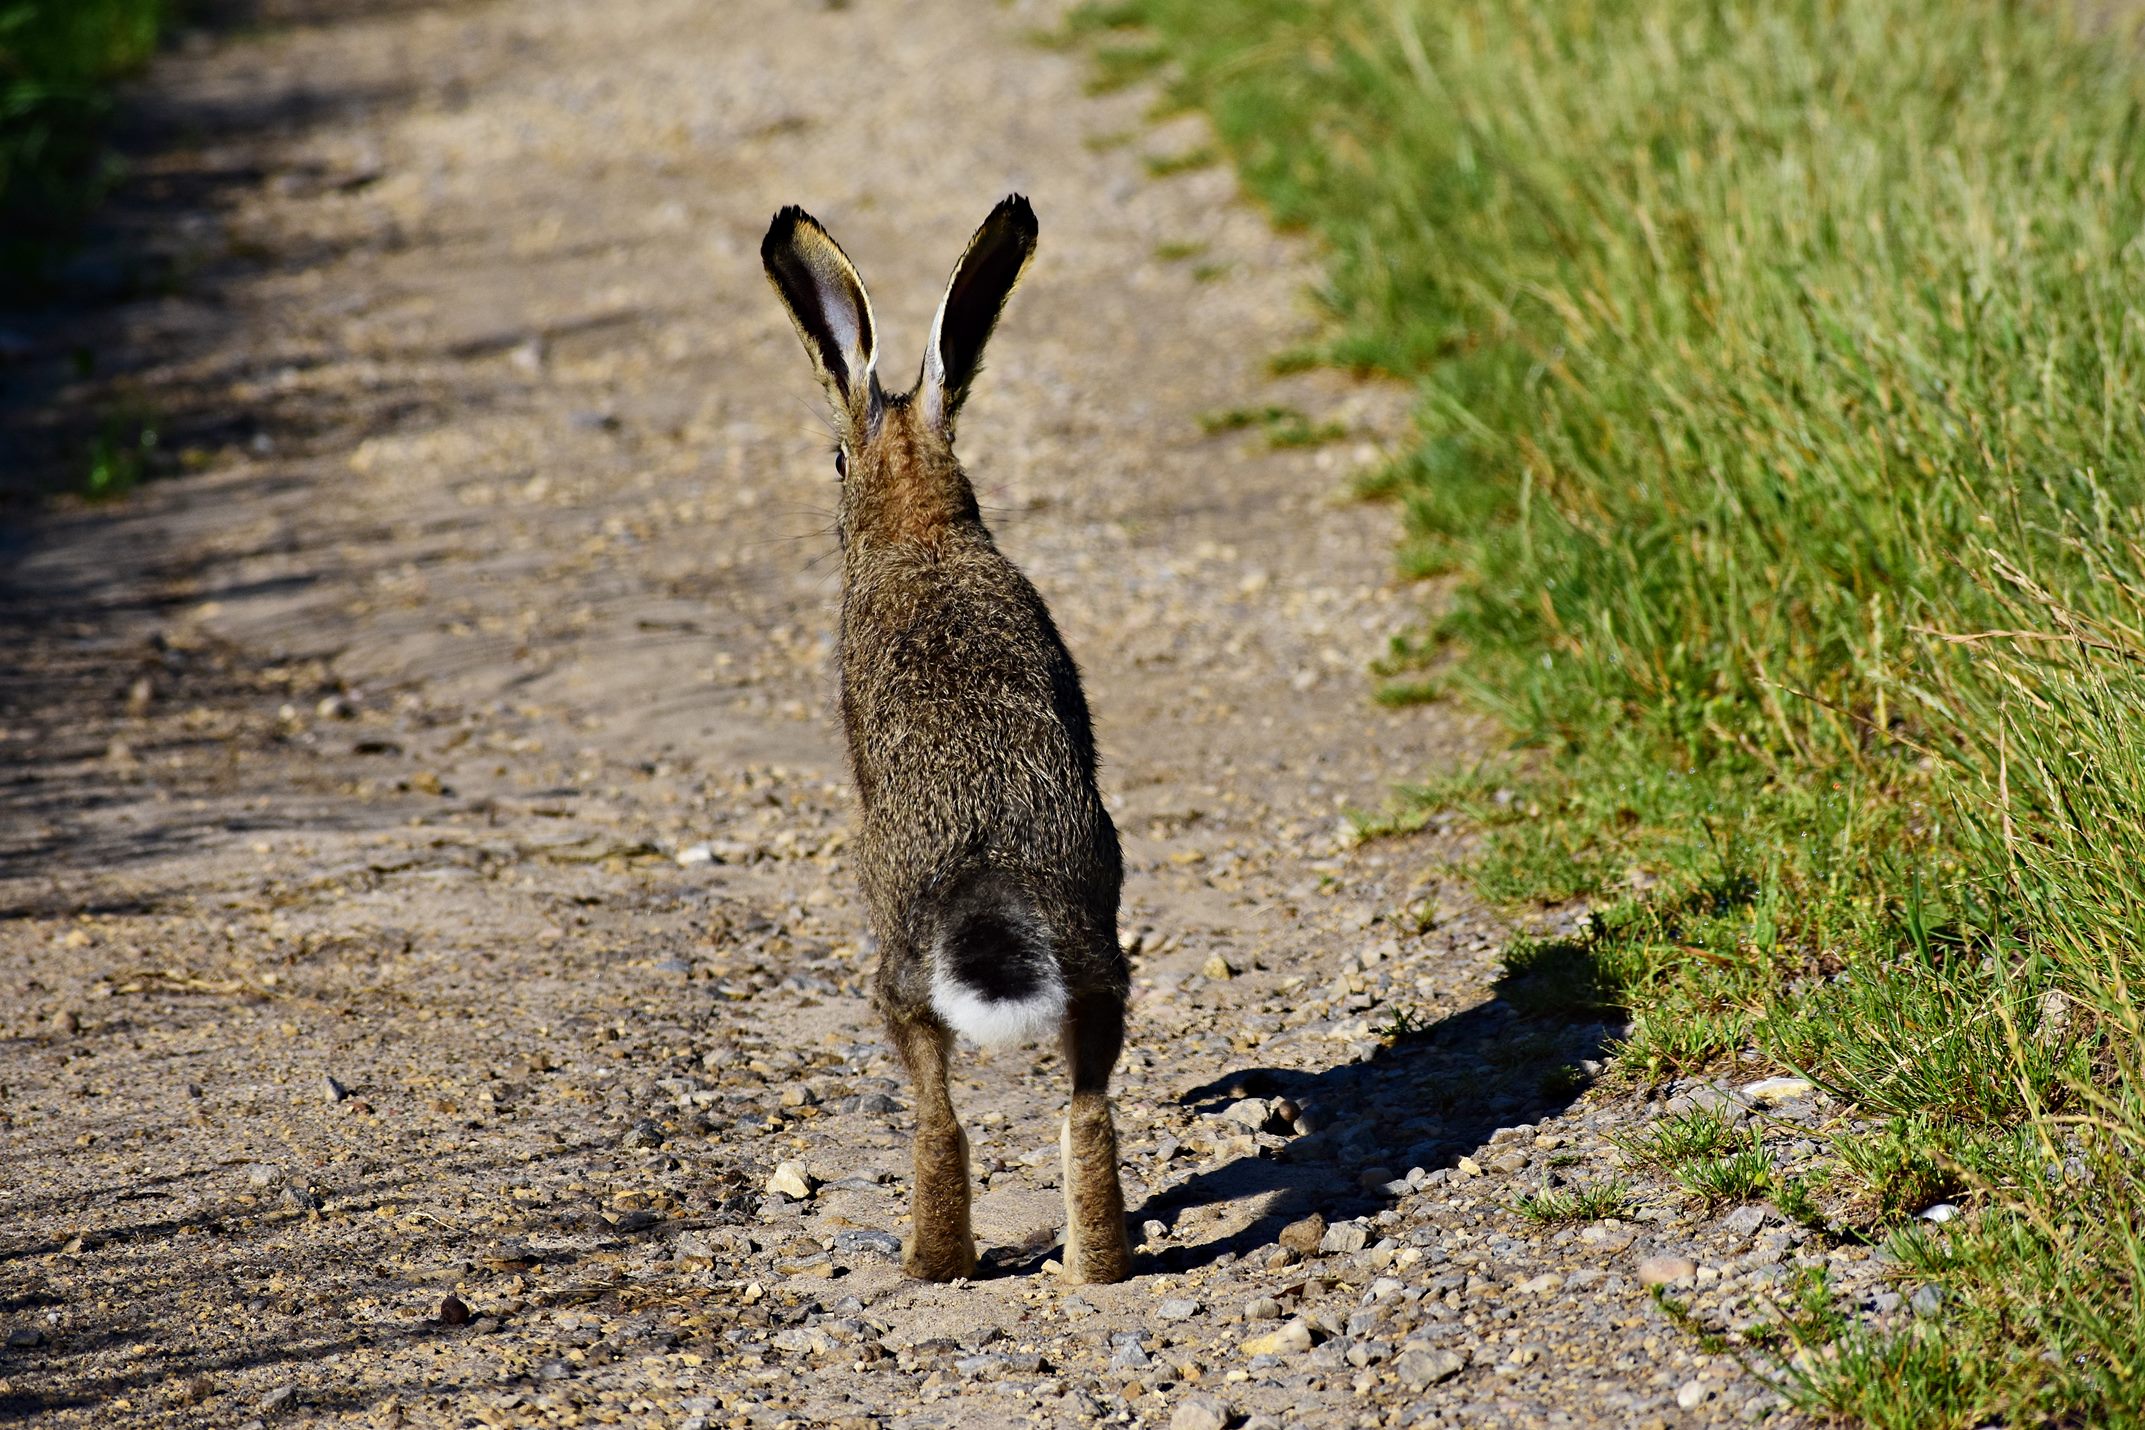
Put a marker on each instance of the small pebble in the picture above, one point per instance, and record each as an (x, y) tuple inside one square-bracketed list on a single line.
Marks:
[(1345, 1239), (1303, 1236), (1291, 1339), (793, 1181), (1200, 1412), (1421, 1366), (1771, 1091), (1666, 1270)]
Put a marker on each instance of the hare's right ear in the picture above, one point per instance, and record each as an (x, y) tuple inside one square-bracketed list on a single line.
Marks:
[(826, 300)]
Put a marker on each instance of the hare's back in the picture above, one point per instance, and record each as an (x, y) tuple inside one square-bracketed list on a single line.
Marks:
[(962, 703)]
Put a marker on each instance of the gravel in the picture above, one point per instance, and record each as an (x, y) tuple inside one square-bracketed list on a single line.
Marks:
[(549, 858)]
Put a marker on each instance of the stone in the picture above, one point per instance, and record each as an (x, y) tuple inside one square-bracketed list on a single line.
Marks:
[(1177, 1308), (1262, 1308), (1129, 1351), (1303, 1236), (1694, 1393), (1540, 1285), (1927, 1301), (331, 1090), (1941, 1212), (1217, 968), (644, 1133), (1250, 1112), (864, 1242), (693, 855), (1666, 1270), (1744, 1222), (1421, 1366), (279, 1398), (1772, 1091), (1294, 1338), (793, 1181), (1513, 1161), (1200, 1412), (453, 1311), (1345, 1239)]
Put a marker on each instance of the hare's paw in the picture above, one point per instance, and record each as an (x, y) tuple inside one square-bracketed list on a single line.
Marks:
[(1098, 1261), (939, 1258)]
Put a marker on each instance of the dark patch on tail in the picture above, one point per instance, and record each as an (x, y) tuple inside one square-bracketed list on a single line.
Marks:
[(994, 942)]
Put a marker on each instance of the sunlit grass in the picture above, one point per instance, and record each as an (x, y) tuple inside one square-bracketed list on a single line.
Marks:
[(1782, 375)]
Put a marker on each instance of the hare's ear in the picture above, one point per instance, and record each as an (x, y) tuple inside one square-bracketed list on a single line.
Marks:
[(826, 300), (977, 291)]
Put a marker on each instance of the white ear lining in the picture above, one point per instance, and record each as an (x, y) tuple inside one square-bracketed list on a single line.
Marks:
[(842, 323), (932, 390)]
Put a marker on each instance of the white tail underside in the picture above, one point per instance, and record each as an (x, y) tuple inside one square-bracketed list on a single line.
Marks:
[(996, 1021)]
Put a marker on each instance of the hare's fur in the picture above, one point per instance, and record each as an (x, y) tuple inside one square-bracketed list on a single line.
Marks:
[(989, 865)]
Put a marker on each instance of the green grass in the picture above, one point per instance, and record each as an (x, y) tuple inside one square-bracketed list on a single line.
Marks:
[(120, 455), (1781, 439), (1682, 1137), (58, 62), (1161, 166), (1284, 426), (1573, 1204)]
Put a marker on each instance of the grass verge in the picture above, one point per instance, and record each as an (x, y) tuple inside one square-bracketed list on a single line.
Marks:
[(1782, 373), (58, 62)]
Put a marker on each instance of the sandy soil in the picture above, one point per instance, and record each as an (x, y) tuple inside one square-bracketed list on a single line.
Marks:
[(427, 922)]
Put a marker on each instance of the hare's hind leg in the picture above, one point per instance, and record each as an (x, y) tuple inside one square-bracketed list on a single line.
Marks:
[(940, 1245), (1096, 1247)]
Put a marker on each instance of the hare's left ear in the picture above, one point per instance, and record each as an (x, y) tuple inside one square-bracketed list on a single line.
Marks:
[(827, 302), (981, 281)]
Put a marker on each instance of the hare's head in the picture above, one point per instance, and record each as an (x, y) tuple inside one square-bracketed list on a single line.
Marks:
[(899, 476)]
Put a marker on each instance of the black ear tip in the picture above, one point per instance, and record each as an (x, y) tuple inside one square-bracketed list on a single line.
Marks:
[(787, 221), (1016, 210)]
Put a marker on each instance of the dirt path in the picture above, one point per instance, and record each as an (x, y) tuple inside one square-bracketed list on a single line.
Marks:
[(424, 833)]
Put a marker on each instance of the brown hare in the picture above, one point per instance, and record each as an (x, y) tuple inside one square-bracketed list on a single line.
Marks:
[(989, 865)]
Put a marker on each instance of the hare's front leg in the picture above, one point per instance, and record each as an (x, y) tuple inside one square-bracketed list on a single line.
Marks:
[(1096, 1247), (940, 1245)]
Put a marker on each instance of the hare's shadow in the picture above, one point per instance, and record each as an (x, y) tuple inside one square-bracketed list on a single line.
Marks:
[(1467, 1075)]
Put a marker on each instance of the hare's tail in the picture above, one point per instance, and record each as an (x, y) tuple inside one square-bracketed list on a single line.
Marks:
[(994, 968)]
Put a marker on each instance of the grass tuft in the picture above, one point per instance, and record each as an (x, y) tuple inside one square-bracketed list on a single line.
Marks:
[(59, 60), (1573, 1204)]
